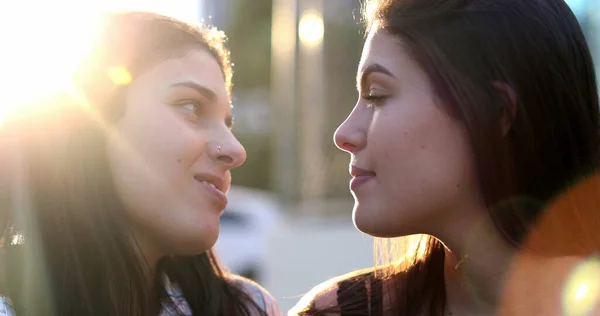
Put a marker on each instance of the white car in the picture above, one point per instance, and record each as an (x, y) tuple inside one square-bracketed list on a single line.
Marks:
[(246, 226)]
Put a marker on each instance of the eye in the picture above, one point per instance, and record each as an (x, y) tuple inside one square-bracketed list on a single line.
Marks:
[(194, 106), (374, 100)]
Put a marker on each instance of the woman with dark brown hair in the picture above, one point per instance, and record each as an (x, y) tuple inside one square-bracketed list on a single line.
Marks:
[(111, 195), (476, 130)]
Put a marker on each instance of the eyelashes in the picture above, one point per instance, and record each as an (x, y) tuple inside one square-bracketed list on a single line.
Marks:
[(198, 109), (229, 122), (193, 106), (374, 101)]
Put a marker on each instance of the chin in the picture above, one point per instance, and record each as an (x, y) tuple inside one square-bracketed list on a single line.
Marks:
[(375, 231), (366, 223), (377, 223), (195, 244)]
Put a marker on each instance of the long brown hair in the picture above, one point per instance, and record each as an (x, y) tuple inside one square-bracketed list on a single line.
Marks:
[(67, 246), (536, 47)]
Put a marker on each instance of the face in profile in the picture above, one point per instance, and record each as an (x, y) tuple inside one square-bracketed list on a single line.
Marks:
[(411, 163), (171, 154)]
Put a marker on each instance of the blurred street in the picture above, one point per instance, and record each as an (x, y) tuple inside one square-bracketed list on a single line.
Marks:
[(304, 253), (290, 249)]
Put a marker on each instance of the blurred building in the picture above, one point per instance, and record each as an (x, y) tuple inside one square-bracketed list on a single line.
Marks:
[(581, 8), (589, 17), (215, 12)]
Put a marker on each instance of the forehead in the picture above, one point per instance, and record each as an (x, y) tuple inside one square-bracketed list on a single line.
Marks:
[(197, 66), (386, 50)]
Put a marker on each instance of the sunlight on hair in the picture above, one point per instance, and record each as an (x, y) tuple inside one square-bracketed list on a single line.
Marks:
[(416, 246), (369, 8), (582, 290), (17, 239), (119, 75)]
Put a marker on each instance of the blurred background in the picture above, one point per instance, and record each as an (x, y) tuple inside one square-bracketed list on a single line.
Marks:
[(288, 224)]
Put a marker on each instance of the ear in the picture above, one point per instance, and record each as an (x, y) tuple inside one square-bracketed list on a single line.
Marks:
[(508, 95)]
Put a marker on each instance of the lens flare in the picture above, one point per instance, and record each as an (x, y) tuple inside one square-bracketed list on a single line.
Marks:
[(43, 46), (119, 75), (311, 28), (582, 290)]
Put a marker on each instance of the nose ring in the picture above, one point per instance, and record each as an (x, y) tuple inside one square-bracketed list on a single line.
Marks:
[(218, 149)]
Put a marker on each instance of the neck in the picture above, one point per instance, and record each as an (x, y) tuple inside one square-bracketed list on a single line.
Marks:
[(149, 249), (149, 261), (475, 266)]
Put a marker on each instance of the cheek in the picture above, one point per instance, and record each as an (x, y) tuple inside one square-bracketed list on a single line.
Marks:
[(150, 159), (151, 168), (398, 140), (159, 143), (423, 158)]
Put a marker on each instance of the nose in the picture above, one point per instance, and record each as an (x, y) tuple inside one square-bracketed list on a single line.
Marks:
[(351, 135), (228, 151)]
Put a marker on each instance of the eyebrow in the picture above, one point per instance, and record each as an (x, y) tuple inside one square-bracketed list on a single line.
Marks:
[(361, 79), (206, 92)]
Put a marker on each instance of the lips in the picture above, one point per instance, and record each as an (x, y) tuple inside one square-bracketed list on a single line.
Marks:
[(211, 180), (360, 177), (359, 172), (215, 187), (209, 183)]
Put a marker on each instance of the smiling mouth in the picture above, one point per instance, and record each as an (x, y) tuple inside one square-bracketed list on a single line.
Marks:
[(213, 181), (214, 190), (209, 184)]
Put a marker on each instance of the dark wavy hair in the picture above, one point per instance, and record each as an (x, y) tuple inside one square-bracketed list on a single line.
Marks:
[(66, 245), (537, 48)]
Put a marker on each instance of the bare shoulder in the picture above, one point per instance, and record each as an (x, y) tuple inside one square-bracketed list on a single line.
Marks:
[(322, 300), (259, 295)]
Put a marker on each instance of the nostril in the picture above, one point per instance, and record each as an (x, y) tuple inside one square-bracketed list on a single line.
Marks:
[(348, 146), (225, 159)]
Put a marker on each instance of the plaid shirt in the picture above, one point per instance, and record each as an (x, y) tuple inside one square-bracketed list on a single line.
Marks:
[(6, 307), (176, 305)]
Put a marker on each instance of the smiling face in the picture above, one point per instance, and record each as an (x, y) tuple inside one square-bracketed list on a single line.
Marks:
[(171, 154), (412, 167)]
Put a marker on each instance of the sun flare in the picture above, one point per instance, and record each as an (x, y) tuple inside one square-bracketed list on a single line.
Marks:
[(45, 40)]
